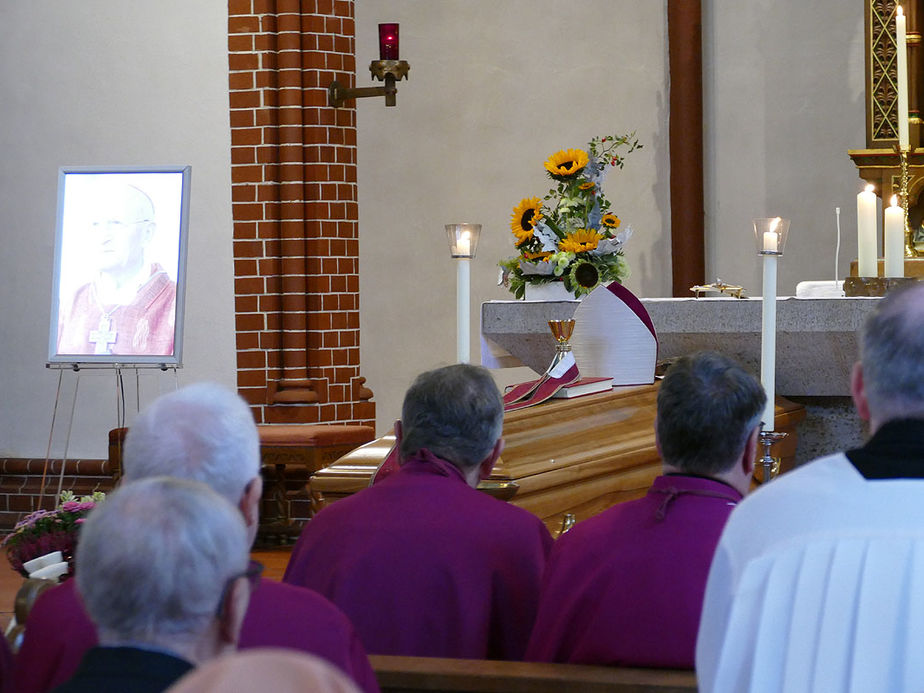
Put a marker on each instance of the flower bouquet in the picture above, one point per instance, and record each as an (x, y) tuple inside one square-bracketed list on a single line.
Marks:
[(571, 235), (46, 531)]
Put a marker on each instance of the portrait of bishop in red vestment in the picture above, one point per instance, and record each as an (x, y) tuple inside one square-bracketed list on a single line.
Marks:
[(129, 304)]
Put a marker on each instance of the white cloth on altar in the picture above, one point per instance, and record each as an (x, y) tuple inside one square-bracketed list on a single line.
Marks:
[(818, 585)]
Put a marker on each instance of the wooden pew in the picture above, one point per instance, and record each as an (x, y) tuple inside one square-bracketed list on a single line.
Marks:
[(417, 674)]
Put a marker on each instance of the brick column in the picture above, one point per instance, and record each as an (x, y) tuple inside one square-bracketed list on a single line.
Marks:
[(296, 235)]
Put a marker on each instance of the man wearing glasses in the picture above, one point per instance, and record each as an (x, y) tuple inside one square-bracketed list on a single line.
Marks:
[(203, 432), (130, 305)]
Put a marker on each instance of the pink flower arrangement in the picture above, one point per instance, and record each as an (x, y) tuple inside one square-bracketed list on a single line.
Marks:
[(45, 531)]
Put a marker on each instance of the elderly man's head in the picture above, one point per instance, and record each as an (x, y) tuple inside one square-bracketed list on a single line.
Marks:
[(204, 432), (123, 224), (455, 412), (158, 564), (888, 382), (708, 414)]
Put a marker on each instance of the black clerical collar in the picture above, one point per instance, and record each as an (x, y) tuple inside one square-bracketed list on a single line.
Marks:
[(896, 451)]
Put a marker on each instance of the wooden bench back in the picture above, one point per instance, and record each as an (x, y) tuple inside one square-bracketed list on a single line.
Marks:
[(416, 674)]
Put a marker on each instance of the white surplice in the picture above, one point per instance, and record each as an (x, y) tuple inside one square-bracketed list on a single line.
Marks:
[(818, 585)]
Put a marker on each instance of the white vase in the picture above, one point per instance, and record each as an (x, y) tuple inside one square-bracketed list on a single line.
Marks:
[(550, 291)]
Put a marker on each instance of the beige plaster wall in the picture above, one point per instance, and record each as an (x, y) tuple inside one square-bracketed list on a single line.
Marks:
[(495, 88), (784, 101), (106, 82)]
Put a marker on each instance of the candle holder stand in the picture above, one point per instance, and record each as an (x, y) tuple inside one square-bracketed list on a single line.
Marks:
[(768, 463)]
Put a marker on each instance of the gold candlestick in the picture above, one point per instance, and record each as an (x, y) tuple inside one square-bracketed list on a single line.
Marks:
[(910, 250)]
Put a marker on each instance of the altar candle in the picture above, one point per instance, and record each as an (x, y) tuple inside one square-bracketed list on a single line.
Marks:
[(463, 309), (768, 341), (894, 240), (866, 233), (771, 241), (901, 52), (464, 244)]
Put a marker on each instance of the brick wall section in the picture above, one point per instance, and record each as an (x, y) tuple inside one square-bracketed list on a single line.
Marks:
[(296, 236), (21, 480)]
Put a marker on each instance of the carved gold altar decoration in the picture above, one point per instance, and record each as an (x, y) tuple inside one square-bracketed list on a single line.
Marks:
[(892, 172)]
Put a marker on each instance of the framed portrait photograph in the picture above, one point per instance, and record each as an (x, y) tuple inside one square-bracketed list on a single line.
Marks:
[(120, 266)]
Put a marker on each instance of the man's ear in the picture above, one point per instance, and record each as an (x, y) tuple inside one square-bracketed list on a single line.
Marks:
[(750, 453), (231, 618), (487, 466), (250, 501), (657, 439), (858, 391)]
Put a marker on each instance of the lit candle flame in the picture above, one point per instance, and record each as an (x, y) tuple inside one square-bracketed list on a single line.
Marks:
[(895, 200), (869, 187), (776, 222), (899, 10)]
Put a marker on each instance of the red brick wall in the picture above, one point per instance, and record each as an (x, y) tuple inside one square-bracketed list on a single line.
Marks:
[(21, 481), (296, 236)]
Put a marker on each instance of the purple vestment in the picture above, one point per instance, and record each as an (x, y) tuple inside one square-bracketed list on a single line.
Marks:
[(143, 327), (626, 587), (59, 633), (425, 565)]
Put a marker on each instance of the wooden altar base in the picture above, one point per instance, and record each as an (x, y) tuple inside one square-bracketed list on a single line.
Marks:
[(576, 456)]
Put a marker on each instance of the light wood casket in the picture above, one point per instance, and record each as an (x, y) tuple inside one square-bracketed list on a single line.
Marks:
[(577, 456)]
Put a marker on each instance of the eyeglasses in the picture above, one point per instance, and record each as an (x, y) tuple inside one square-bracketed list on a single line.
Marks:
[(252, 573), (115, 224)]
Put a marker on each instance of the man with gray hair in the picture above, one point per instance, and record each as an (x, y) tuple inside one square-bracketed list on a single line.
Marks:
[(422, 563), (162, 568), (206, 433), (626, 587), (816, 583)]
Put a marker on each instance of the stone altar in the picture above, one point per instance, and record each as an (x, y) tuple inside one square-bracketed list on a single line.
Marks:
[(816, 348)]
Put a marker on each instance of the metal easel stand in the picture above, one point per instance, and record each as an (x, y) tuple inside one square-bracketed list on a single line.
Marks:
[(120, 407)]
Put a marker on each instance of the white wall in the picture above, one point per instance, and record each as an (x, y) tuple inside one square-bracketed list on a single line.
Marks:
[(495, 87), (784, 101), (107, 82)]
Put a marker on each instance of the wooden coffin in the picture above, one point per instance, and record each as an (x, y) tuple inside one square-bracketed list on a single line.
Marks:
[(569, 456)]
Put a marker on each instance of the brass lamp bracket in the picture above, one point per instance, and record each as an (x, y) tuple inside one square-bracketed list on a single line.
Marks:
[(388, 71)]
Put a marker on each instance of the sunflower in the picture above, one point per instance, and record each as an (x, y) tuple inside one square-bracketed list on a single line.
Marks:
[(587, 186), (566, 162), (536, 256), (524, 218), (585, 276), (610, 220), (579, 241)]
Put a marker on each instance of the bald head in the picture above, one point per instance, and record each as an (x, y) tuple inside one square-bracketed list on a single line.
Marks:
[(122, 219), (892, 356)]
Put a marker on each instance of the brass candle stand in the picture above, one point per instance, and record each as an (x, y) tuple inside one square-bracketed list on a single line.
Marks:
[(904, 183), (769, 463)]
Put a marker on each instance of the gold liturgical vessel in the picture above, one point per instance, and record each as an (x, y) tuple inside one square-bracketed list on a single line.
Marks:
[(562, 331)]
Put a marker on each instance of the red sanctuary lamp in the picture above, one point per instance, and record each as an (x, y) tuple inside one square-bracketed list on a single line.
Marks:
[(388, 41), (388, 68)]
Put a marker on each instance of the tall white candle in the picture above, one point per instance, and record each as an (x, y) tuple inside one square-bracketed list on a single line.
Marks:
[(771, 241), (768, 341), (866, 233), (901, 51), (463, 310), (464, 244), (894, 240)]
